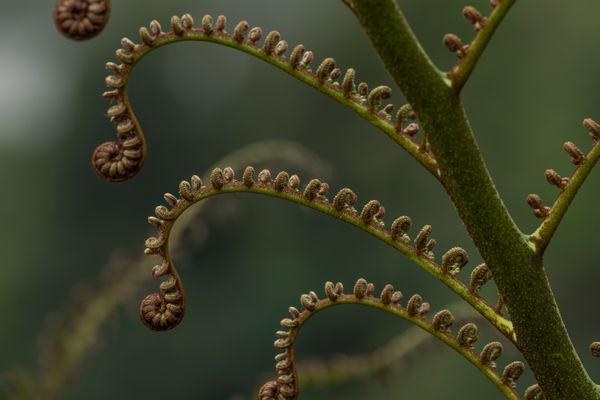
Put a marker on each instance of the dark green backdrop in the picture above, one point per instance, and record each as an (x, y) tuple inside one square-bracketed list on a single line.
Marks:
[(196, 101)]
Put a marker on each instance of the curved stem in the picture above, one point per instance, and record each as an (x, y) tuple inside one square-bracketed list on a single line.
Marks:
[(289, 337), (466, 66), (544, 233), (167, 219), (117, 161)]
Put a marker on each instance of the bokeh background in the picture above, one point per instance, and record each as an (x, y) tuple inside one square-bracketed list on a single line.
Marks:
[(250, 258)]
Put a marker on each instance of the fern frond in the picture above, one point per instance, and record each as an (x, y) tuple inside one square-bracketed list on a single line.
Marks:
[(164, 310), (122, 159), (287, 385)]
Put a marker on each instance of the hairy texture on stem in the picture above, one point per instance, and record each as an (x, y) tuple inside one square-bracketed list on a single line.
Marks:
[(122, 159), (370, 220), (287, 386), (81, 19)]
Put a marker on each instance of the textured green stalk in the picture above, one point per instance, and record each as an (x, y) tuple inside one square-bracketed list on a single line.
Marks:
[(517, 270)]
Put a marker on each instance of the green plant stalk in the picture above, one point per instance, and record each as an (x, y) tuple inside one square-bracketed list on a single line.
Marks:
[(487, 311), (517, 270), (447, 339)]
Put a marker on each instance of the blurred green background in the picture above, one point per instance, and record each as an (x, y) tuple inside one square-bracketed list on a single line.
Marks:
[(197, 102)]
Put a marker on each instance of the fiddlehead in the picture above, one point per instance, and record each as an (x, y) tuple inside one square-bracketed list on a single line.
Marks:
[(568, 186), (122, 159), (287, 387), (81, 19), (313, 196)]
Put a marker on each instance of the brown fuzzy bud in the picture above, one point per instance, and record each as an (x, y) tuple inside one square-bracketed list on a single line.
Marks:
[(324, 70), (369, 211), (376, 96), (220, 23), (294, 182), (442, 321), (255, 34), (296, 56), (248, 177), (216, 178), (555, 179), (264, 177), (345, 198), (479, 277), (454, 260), (512, 372), (414, 305), (207, 25), (454, 44), (593, 128), (534, 392), (400, 228), (577, 156), (595, 349), (360, 288), (312, 189), (386, 294), (422, 239), (490, 353), (474, 17), (240, 31), (348, 85), (270, 42), (281, 181), (468, 335)]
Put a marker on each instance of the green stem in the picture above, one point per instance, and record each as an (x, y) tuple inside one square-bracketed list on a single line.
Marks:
[(517, 270), (543, 234), (466, 66)]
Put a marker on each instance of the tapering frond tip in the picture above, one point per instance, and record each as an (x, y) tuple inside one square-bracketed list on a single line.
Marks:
[(534, 392), (595, 349), (81, 19)]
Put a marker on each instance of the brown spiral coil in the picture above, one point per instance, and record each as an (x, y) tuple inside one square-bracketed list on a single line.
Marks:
[(81, 19)]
